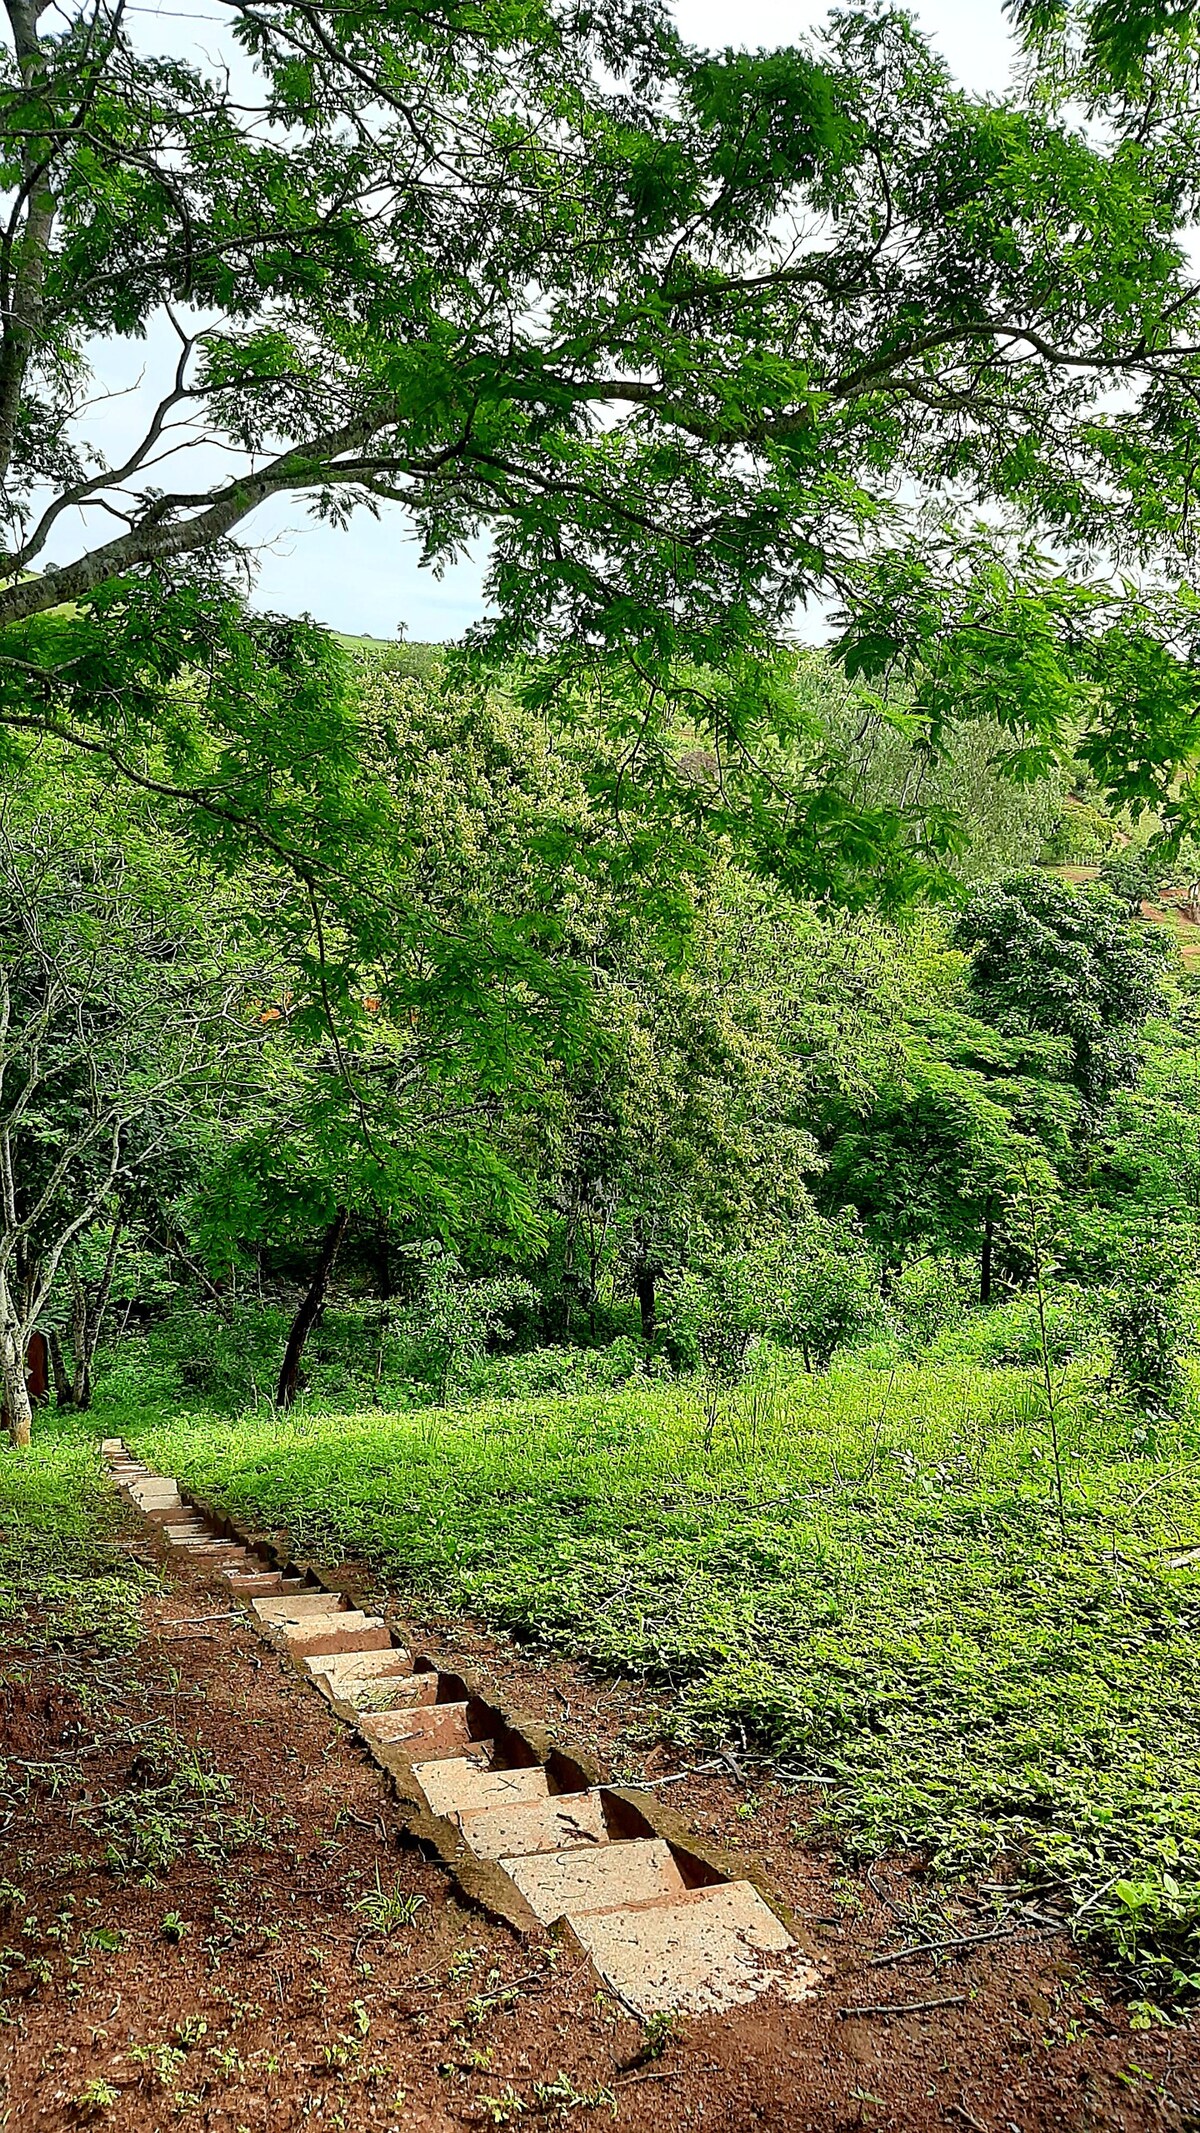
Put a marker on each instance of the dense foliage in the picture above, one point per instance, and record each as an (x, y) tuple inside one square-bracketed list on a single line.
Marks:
[(758, 331)]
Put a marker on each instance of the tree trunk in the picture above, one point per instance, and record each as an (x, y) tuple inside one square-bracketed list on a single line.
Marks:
[(18, 1408), (94, 1316), (79, 1319), (643, 1284), (985, 1260), (64, 1390), (309, 1311)]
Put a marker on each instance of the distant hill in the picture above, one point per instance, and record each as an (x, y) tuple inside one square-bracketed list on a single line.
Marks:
[(399, 654)]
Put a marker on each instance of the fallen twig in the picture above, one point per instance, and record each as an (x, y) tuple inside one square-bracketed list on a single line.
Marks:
[(905, 2007), (937, 1947), (676, 1777), (231, 1614), (898, 1910)]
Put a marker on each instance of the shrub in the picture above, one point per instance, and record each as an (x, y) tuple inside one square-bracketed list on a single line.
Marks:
[(1010, 1333), (453, 1322), (828, 1291), (1149, 1339), (929, 1296)]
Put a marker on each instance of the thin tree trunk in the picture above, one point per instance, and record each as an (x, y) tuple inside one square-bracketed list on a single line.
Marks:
[(79, 1318), (985, 1261), (18, 1408), (643, 1285), (309, 1311), (94, 1317), (64, 1390)]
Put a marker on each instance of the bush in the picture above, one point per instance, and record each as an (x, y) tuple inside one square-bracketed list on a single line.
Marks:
[(828, 1291), (1135, 878), (927, 1298), (448, 1330), (1010, 1333), (714, 1318), (1149, 1339)]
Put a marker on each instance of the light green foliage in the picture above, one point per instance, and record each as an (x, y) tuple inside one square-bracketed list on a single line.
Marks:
[(815, 1290), (95, 2098), (388, 1910), (56, 1516), (452, 1321), (768, 330), (861, 1574)]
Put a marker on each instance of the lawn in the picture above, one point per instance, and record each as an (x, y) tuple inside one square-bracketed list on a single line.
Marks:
[(861, 1575)]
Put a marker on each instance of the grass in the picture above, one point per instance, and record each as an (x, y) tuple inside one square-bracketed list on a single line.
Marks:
[(861, 1576), (63, 1581)]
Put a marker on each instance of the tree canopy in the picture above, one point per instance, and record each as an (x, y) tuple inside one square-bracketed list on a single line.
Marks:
[(695, 340)]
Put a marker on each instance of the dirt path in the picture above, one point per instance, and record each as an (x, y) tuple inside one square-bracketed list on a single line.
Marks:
[(217, 1928)]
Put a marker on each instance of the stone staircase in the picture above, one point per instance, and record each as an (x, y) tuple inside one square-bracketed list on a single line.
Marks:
[(664, 1928)]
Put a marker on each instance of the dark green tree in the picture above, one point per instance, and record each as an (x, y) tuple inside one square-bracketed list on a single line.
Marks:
[(1050, 958)]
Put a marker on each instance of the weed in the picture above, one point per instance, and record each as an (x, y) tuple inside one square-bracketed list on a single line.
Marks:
[(164, 2063), (94, 2098), (387, 1910), (504, 2109), (658, 2031), (173, 1927), (563, 2095)]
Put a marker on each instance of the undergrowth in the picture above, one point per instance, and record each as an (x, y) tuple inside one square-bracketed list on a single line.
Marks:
[(860, 1576), (63, 1578)]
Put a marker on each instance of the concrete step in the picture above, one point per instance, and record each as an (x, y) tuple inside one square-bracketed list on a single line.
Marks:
[(252, 1584), (278, 1587), (437, 1729), (359, 1666), (556, 1884), (347, 1631), (559, 1823), (457, 1783), (111, 1447), (703, 1952), (399, 1690), (292, 1607)]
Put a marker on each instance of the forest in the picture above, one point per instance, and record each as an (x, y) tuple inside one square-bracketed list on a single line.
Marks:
[(666, 1150)]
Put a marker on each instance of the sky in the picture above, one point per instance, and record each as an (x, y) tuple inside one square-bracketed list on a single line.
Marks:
[(365, 579)]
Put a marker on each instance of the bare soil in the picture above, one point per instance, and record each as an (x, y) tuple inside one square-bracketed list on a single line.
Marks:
[(248, 1986)]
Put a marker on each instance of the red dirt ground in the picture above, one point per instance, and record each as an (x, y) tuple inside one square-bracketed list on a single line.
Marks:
[(279, 2005)]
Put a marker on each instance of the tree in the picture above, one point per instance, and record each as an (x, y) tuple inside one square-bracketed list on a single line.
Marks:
[(682, 367), (1120, 39), (417, 1067), (688, 1136), (1049, 957), (124, 1008), (931, 1163), (1135, 877)]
